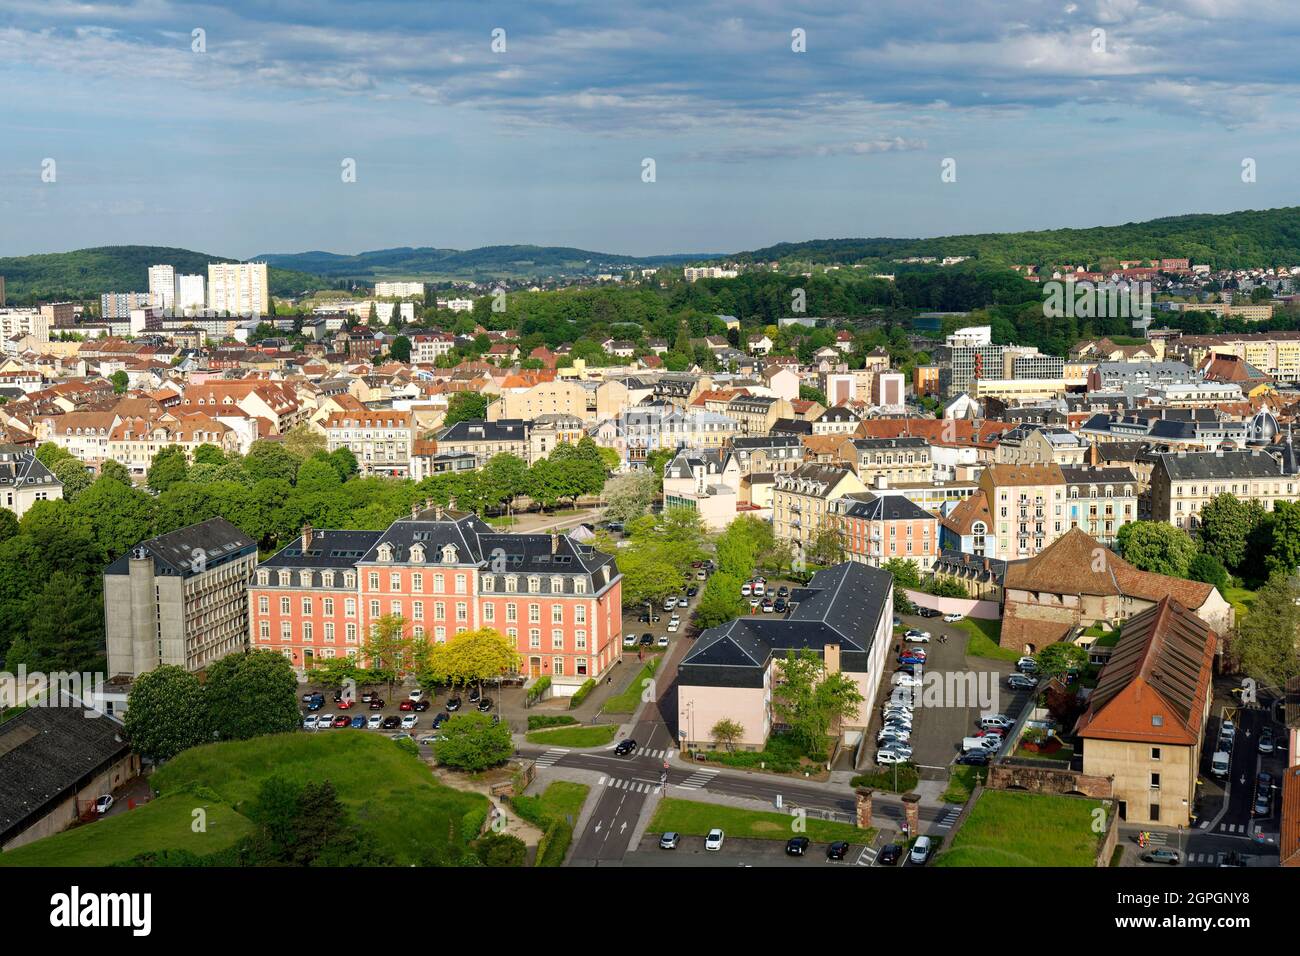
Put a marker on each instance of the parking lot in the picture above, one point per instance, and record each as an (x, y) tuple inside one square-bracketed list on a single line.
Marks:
[(939, 725), (438, 700)]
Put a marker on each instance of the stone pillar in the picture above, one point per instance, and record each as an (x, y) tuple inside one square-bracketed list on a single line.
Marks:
[(864, 795), (912, 814)]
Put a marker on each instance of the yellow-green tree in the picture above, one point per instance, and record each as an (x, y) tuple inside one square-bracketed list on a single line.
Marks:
[(472, 657), (388, 650)]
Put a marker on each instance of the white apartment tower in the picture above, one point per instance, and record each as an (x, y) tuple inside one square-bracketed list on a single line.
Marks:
[(190, 293), (162, 287), (238, 288)]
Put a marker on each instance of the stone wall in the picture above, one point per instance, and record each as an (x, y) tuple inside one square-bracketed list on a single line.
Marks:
[(1031, 775)]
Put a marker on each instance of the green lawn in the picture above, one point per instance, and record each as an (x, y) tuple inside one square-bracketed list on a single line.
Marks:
[(628, 701), (961, 783), (559, 801), (593, 736), (392, 793), (1241, 600), (984, 639), (697, 819), (1012, 828), (161, 824)]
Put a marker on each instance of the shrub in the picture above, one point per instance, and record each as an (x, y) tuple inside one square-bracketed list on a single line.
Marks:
[(537, 690), (500, 849), (542, 721), (554, 844), (588, 686), (883, 779)]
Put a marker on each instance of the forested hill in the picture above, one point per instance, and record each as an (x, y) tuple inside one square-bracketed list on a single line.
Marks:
[(1252, 237), (86, 273)]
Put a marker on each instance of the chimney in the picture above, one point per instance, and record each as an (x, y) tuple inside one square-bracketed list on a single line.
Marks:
[(555, 544), (415, 510), (306, 536)]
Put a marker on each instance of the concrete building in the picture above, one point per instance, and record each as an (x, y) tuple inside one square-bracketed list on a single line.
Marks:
[(162, 287), (381, 439), (1183, 482), (178, 599), (398, 290), (707, 482), (191, 293), (238, 288)]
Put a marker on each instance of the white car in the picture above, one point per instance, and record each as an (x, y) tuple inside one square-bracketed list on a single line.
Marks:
[(410, 720), (759, 588), (714, 840), (753, 603), (629, 640), (746, 589), (903, 679), (995, 722), (891, 755), (663, 638), (104, 804), (670, 602), (920, 850), (375, 721), (672, 629), (324, 721), (309, 722), (416, 694), (953, 618), (918, 637)]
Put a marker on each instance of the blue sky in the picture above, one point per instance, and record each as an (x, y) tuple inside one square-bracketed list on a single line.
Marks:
[(237, 150)]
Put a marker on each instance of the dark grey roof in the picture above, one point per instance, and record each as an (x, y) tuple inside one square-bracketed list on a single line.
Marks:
[(1085, 475), (871, 444), (885, 508), (20, 466), (766, 441), (478, 429), (838, 413), (791, 426), (47, 753), (841, 605), (971, 566), (1219, 464), (328, 550), (217, 540)]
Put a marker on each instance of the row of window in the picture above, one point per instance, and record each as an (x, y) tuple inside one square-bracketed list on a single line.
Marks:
[(307, 634), (417, 609)]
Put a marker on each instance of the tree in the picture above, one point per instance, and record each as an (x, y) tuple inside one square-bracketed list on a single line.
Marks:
[(74, 477), (401, 350), (811, 700), (1060, 658), (168, 468), (473, 743), (267, 459), (500, 849), (388, 650), (165, 713), (1156, 546), (1226, 526), (49, 454), (1284, 539), (630, 495), (1265, 642), (905, 571), (116, 471), (809, 394), (120, 382), (65, 628), (318, 475), (472, 657), (465, 406), (1207, 568), (720, 601), (504, 478), (655, 462), (649, 574), (826, 548), (209, 454), (302, 441), (726, 732), (251, 693), (117, 515)]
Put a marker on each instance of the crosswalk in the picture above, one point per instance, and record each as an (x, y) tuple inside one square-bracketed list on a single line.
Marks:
[(867, 857), (1242, 828), (949, 817), (698, 780), (658, 754), (551, 757), (631, 786)]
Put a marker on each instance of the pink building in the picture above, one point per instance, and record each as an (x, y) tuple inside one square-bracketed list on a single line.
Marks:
[(878, 528)]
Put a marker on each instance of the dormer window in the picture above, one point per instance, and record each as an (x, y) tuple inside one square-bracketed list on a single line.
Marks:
[(417, 553), (349, 580), (263, 577), (557, 585), (385, 552), (534, 584), (449, 555), (284, 578), (304, 578), (512, 583)]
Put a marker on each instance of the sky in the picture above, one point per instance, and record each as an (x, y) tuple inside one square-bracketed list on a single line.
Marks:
[(227, 128)]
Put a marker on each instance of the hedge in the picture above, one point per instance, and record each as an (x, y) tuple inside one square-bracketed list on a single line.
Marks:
[(554, 844), (537, 690), (588, 686), (541, 721)]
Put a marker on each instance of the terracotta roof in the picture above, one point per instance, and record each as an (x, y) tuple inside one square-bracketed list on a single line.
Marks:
[(968, 511), (1155, 686), (952, 431), (1026, 475)]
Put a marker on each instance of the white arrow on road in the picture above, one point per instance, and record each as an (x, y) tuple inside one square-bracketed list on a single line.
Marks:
[(623, 827), (598, 826)]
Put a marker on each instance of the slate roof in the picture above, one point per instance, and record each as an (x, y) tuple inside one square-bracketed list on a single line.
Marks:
[(480, 430), (871, 507), (20, 466), (841, 605), (1213, 465), (174, 553)]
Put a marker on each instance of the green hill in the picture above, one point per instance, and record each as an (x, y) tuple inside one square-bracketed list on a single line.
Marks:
[(1252, 237), (87, 273)]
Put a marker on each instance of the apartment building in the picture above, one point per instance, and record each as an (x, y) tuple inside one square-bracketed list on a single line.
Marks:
[(483, 439), (398, 290), (239, 288), (442, 572), (1028, 507), (381, 439), (897, 460), (179, 598), (1276, 354), (767, 454), (133, 441), (162, 287), (1100, 500), (23, 322), (707, 482), (24, 480), (879, 528), (757, 413), (1183, 482), (428, 347), (801, 500), (1030, 444)]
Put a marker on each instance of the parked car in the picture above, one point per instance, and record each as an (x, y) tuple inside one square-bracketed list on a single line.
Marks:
[(1021, 682), (995, 721), (453, 703), (974, 759), (1161, 854), (625, 747), (767, 605), (669, 840), (401, 736), (692, 591), (376, 703), (441, 719), (368, 696), (309, 722), (416, 694), (346, 702), (890, 854), (1265, 744), (796, 846), (953, 618), (358, 722), (629, 640), (406, 705), (375, 721), (920, 851), (780, 606), (670, 602), (714, 839), (391, 722), (647, 639), (342, 720), (421, 706), (906, 680), (916, 636), (663, 638), (474, 694), (485, 705), (1220, 763), (837, 850), (892, 755), (409, 721), (1228, 729), (673, 627), (927, 612), (311, 695), (104, 803), (1027, 665), (324, 720), (746, 589), (759, 588)]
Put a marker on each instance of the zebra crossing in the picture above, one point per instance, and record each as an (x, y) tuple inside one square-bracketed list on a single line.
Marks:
[(1206, 859), (631, 786), (658, 754), (949, 817), (867, 857), (698, 780), (551, 757), (1242, 828)]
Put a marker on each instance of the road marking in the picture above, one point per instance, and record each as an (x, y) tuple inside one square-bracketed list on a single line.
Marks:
[(948, 819), (867, 857), (551, 757), (669, 755), (698, 780)]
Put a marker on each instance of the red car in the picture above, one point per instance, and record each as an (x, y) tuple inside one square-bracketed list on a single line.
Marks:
[(990, 733), (346, 702), (376, 703), (341, 721), (406, 705)]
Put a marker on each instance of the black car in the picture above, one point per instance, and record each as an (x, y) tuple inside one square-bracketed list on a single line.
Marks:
[(643, 618), (474, 695), (625, 747), (647, 639), (453, 703), (692, 591), (441, 719), (779, 605), (485, 705), (1021, 682), (906, 669), (796, 846), (974, 760), (782, 591), (391, 722), (376, 703), (421, 705), (928, 612), (890, 854), (837, 850)]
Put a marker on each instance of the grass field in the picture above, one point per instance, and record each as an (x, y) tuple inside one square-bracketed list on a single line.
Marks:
[(593, 736), (628, 701), (559, 801), (984, 639), (391, 793), (1008, 828), (697, 819), (161, 824), (961, 783), (1241, 600)]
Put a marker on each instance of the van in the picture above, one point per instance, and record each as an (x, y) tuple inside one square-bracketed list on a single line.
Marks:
[(989, 744), (920, 851), (1220, 763)]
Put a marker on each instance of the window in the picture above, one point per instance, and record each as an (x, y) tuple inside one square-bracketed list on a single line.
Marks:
[(1155, 781), (557, 639), (1155, 812), (534, 614), (263, 605), (488, 582), (512, 612), (329, 632), (264, 630), (460, 584), (557, 613), (557, 666), (284, 606), (374, 609), (535, 639), (350, 633), (580, 640), (439, 583), (417, 610), (286, 631), (350, 607), (263, 577), (373, 578), (1155, 753), (395, 607), (439, 611), (489, 612), (462, 611), (579, 585), (306, 605), (580, 614), (394, 582)]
